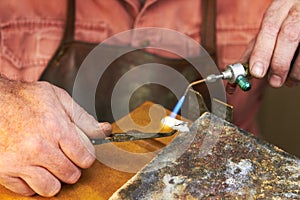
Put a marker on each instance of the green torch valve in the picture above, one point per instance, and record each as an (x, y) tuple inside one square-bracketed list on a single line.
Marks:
[(243, 83)]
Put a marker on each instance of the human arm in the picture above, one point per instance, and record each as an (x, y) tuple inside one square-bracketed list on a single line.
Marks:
[(43, 137)]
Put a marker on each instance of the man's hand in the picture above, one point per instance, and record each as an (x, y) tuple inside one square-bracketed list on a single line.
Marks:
[(276, 44), (43, 138)]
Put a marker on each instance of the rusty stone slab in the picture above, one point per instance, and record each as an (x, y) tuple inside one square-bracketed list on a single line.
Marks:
[(216, 160)]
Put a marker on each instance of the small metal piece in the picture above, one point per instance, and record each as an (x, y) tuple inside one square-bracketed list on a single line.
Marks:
[(222, 110), (195, 105), (131, 136)]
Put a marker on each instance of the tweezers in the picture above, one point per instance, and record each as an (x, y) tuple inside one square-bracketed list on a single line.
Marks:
[(131, 136)]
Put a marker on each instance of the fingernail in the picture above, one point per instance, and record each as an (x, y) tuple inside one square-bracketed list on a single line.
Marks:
[(74, 177), (88, 161), (275, 80), (258, 70), (55, 188)]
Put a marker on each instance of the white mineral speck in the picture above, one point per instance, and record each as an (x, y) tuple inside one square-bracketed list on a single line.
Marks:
[(173, 185), (237, 175)]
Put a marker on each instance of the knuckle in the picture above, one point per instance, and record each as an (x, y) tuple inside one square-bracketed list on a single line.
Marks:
[(279, 71), (270, 23), (290, 32), (295, 11), (269, 28), (81, 116), (270, 13), (61, 92), (52, 127), (280, 67), (35, 145), (280, 63), (44, 84)]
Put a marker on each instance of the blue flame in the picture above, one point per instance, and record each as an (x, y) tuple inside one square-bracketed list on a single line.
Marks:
[(177, 107)]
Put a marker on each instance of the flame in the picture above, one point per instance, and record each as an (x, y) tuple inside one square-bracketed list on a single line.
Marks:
[(177, 107)]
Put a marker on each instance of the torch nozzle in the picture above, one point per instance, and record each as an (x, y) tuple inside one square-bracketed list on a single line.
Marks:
[(213, 78)]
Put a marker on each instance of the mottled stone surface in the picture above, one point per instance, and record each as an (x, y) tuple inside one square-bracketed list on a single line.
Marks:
[(216, 160)]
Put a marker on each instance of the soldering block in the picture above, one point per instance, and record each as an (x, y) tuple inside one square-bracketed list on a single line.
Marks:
[(216, 160)]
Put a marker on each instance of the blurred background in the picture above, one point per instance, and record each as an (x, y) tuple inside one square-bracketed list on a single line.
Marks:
[(279, 118)]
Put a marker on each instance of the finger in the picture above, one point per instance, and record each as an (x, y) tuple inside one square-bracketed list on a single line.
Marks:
[(287, 43), (54, 160), (266, 38), (294, 76), (77, 147), (81, 118), (41, 181), (16, 185), (80, 152)]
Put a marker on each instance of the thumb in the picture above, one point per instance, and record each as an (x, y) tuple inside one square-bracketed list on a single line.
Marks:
[(83, 120)]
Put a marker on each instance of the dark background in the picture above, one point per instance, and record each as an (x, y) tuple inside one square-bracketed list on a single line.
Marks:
[(279, 118)]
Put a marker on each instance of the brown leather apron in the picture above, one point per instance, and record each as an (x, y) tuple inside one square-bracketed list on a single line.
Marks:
[(65, 63)]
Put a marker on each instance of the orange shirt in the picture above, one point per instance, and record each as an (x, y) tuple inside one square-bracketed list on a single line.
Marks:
[(30, 32)]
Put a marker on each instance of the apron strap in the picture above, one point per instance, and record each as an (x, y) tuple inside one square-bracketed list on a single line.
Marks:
[(208, 29), (70, 22)]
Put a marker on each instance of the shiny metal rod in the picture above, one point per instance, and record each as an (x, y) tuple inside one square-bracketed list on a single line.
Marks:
[(210, 79)]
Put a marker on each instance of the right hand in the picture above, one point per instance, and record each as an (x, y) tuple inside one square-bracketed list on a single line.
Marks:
[(43, 138), (274, 50)]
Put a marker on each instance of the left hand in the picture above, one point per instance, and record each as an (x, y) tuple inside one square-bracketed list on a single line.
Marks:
[(276, 44), (43, 137)]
